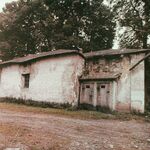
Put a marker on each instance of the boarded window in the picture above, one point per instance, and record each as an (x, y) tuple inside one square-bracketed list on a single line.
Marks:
[(26, 80)]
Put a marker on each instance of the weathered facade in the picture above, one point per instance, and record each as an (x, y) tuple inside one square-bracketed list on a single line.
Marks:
[(115, 79), (49, 77)]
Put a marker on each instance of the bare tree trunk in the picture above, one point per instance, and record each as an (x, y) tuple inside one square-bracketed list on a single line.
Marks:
[(146, 13), (145, 35)]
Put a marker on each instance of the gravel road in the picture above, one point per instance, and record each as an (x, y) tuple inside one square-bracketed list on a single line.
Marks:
[(33, 131)]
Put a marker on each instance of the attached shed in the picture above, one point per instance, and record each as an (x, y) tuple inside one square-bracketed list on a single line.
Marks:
[(117, 79), (49, 77)]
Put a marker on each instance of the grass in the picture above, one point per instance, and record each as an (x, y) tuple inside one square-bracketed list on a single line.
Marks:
[(78, 114)]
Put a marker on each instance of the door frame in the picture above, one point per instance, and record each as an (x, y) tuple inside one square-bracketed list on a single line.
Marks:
[(96, 82)]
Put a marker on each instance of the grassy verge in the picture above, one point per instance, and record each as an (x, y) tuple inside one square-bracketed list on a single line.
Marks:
[(79, 114)]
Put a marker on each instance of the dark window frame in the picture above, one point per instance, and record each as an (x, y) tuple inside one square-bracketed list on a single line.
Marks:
[(103, 86), (26, 80)]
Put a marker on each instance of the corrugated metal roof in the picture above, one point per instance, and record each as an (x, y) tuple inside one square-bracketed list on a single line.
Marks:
[(40, 55), (112, 52)]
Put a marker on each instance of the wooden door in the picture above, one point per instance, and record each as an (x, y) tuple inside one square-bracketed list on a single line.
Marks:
[(87, 94), (103, 91)]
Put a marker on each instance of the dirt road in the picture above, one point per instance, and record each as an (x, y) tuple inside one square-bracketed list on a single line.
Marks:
[(33, 131)]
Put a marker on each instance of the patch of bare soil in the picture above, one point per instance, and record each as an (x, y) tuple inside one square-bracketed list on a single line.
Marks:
[(35, 131)]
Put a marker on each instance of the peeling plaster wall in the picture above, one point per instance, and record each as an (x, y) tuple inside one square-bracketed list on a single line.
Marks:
[(10, 82), (138, 85), (51, 80), (128, 90), (123, 97), (103, 67)]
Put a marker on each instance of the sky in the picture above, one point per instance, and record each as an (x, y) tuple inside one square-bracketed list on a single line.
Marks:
[(2, 3)]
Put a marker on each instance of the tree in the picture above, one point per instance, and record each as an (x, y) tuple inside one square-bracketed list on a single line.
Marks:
[(19, 28), (87, 24), (135, 16), (31, 26)]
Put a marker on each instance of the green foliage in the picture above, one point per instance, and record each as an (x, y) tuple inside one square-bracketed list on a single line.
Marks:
[(31, 26), (134, 15), (35, 103)]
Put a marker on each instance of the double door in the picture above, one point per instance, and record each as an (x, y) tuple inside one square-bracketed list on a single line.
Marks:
[(95, 93)]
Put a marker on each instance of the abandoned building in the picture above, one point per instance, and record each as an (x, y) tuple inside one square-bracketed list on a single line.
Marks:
[(116, 79), (48, 76)]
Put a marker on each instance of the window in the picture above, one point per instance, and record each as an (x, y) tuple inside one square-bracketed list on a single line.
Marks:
[(103, 86), (26, 80), (95, 61), (88, 86)]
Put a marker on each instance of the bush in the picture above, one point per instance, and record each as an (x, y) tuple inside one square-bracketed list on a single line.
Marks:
[(97, 108), (35, 103)]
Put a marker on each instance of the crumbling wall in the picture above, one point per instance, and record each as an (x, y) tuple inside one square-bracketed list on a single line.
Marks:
[(52, 79), (10, 82), (123, 96), (137, 85), (107, 67), (128, 89), (103, 66)]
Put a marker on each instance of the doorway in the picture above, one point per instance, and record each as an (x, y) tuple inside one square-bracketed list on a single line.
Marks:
[(96, 93), (87, 93), (103, 90)]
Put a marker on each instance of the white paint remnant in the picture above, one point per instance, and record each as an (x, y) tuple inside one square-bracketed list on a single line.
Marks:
[(53, 79)]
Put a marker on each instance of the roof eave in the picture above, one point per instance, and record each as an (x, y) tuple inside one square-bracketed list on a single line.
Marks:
[(11, 62), (88, 55)]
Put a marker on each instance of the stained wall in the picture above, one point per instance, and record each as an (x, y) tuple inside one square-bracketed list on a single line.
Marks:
[(53, 79), (127, 92)]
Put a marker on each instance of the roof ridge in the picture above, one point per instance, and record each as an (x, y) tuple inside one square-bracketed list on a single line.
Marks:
[(110, 52), (40, 55)]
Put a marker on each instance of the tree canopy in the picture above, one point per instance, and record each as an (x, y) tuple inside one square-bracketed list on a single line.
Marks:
[(134, 15), (31, 26)]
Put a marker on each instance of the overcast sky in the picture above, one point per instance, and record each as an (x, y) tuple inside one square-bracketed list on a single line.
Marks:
[(2, 3)]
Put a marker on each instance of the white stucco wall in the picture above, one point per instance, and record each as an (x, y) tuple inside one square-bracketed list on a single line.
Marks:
[(130, 86), (138, 85), (10, 82), (53, 79), (123, 95)]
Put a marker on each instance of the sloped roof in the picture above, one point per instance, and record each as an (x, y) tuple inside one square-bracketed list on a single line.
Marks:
[(112, 52), (142, 59), (32, 57)]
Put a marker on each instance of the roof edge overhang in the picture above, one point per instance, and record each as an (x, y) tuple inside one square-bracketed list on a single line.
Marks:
[(102, 78), (112, 53), (97, 79), (11, 62), (137, 63)]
